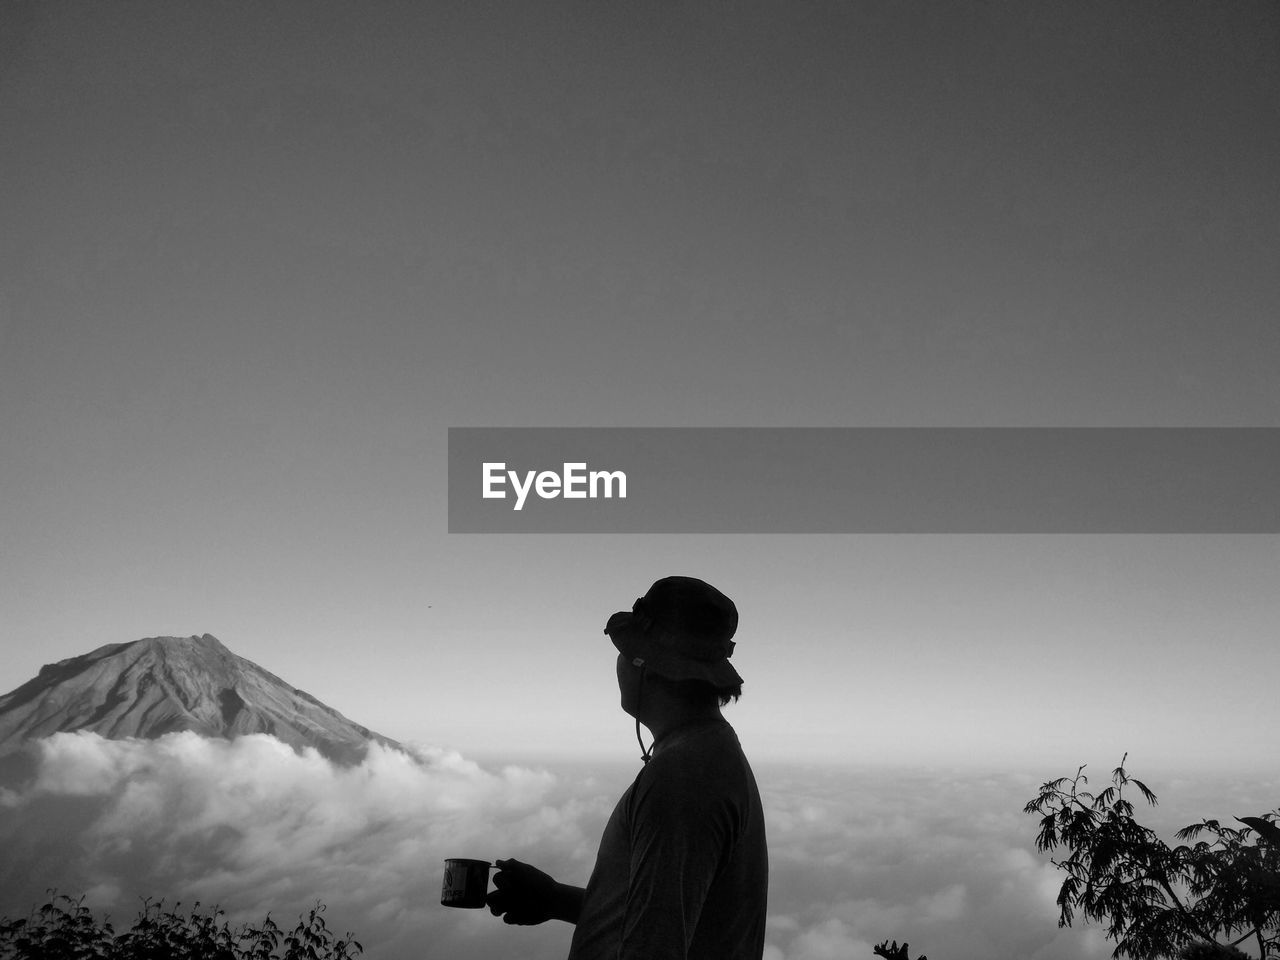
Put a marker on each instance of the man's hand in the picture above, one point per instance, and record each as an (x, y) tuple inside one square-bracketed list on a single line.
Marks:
[(525, 894)]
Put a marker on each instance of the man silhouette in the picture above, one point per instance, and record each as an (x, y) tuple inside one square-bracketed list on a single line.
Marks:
[(682, 870)]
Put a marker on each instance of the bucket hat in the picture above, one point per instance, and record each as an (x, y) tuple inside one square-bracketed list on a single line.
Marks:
[(682, 629)]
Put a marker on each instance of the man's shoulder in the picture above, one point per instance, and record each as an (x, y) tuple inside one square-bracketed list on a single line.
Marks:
[(700, 788), (705, 742), (708, 762)]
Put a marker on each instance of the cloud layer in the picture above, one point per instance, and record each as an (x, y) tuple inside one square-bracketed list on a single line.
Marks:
[(945, 862), (254, 826)]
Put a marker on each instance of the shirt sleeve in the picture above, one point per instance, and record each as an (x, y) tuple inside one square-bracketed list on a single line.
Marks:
[(680, 832)]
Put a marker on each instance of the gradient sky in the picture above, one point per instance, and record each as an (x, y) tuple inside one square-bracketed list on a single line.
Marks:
[(257, 258)]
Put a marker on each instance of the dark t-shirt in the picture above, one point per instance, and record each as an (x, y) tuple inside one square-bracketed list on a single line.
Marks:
[(683, 871)]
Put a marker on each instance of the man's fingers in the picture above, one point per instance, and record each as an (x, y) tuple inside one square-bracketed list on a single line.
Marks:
[(505, 872), (506, 880), (497, 902), (510, 873), (520, 895)]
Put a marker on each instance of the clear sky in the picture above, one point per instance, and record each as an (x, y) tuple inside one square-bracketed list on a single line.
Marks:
[(258, 258)]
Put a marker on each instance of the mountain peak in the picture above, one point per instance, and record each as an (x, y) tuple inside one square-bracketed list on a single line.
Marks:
[(157, 685)]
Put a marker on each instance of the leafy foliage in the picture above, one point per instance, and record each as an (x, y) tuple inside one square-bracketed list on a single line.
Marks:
[(65, 929), (1203, 950), (1157, 900), (895, 952)]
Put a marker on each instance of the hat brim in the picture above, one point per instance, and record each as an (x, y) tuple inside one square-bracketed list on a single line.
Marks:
[(633, 642)]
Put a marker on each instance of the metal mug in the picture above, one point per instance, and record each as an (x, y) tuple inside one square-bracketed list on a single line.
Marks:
[(466, 883)]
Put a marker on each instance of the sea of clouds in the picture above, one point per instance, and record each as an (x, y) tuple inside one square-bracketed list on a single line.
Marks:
[(943, 860)]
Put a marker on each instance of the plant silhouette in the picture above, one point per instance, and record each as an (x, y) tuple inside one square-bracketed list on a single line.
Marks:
[(64, 927), (1157, 900)]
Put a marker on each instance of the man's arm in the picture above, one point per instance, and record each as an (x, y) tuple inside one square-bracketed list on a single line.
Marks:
[(527, 896), (677, 841), (568, 906)]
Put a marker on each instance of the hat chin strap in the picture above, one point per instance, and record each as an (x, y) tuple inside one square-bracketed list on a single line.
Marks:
[(644, 752)]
